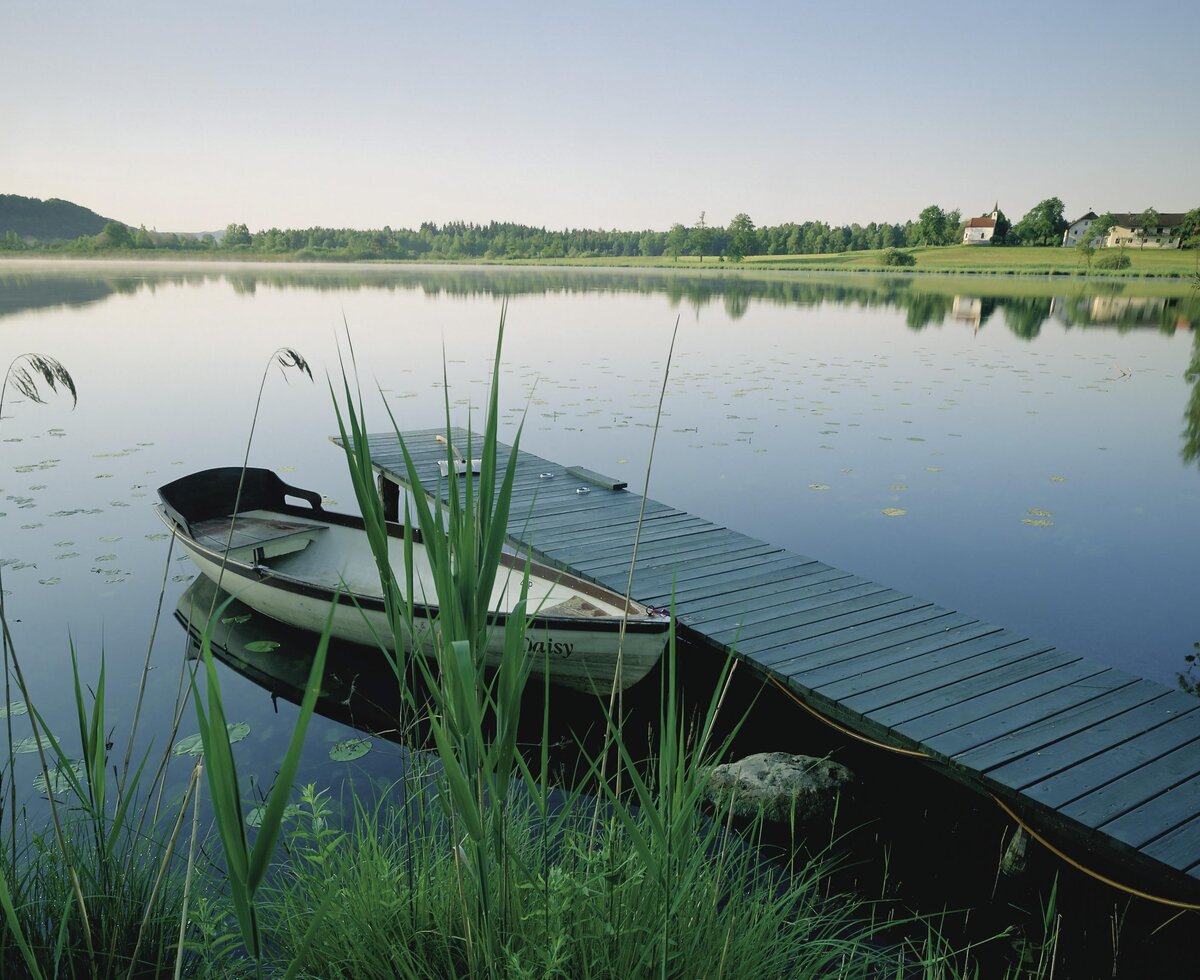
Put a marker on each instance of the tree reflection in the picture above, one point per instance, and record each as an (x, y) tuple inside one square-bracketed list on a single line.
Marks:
[(925, 301), (1188, 682), (1026, 314), (1191, 414)]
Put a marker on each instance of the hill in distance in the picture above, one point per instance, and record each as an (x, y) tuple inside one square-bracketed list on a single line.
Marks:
[(47, 221)]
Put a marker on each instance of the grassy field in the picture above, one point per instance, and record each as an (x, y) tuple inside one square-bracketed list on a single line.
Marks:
[(1016, 260), (943, 259), (964, 259)]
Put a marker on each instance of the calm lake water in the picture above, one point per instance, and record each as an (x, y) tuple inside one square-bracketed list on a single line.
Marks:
[(1021, 451)]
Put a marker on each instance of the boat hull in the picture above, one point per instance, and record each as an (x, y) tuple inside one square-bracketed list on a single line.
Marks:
[(307, 567)]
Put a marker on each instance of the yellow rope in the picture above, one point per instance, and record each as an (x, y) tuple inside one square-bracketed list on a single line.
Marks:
[(846, 731), (1000, 803), (1088, 871)]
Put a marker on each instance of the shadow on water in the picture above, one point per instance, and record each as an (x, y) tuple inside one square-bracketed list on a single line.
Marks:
[(925, 301), (905, 835)]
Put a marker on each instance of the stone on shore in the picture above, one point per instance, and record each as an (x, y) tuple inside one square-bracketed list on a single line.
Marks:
[(782, 786)]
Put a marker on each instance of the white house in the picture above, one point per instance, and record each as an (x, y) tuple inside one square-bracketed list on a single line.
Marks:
[(1128, 231), (1076, 229), (980, 231)]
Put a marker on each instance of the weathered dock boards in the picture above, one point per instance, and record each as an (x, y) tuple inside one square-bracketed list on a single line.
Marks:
[(1105, 758)]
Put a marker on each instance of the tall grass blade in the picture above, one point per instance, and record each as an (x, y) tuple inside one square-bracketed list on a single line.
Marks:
[(14, 928)]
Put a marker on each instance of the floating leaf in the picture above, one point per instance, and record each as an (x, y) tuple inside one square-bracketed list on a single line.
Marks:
[(893, 512), (194, 745), (350, 749), (262, 646), (1058, 479), (14, 708), (236, 620), (254, 818), (24, 745), (818, 486), (60, 782), (1037, 523), (1038, 512), (897, 487)]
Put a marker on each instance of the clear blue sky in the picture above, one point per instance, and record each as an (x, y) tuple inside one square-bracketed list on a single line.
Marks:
[(610, 114)]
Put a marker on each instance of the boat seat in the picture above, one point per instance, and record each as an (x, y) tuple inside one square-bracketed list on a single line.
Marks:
[(257, 537)]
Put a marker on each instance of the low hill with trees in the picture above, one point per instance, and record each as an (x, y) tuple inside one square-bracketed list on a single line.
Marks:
[(47, 221), (878, 244)]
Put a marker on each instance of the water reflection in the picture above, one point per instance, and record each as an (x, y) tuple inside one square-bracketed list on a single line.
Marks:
[(927, 301), (1191, 414), (359, 688)]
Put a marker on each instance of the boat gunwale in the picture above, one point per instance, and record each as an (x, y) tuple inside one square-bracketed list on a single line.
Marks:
[(253, 573)]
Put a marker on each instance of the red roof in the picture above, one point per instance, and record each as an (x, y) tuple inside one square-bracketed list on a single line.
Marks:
[(982, 223)]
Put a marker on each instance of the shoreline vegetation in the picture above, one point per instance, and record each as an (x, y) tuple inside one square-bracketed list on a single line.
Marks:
[(1029, 261), (933, 242)]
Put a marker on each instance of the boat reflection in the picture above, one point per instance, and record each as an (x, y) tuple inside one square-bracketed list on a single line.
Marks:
[(359, 688)]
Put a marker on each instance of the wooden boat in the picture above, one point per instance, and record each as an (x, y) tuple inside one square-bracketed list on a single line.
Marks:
[(288, 560)]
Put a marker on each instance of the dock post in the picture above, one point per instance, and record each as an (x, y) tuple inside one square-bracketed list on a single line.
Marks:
[(389, 493)]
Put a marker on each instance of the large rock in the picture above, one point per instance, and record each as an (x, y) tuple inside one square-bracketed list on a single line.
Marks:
[(782, 786)]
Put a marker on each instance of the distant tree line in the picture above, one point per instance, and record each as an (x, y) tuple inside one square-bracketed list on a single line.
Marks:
[(456, 241)]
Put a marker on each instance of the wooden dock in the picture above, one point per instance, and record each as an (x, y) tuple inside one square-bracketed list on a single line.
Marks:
[(1107, 761)]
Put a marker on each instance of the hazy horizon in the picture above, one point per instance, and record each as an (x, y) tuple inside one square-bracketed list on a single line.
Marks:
[(625, 116)]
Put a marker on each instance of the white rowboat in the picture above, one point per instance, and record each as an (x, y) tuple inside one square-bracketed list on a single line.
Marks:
[(296, 562)]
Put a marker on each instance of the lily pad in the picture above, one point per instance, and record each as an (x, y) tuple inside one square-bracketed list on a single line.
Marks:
[(60, 781), (893, 512), (350, 749), (262, 646), (254, 818), (30, 744), (194, 745), (14, 708)]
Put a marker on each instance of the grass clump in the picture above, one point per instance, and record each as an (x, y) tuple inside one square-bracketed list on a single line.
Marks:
[(592, 905)]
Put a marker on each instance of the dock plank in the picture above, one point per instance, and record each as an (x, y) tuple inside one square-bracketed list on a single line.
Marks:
[(1036, 739), (1073, 740), (953, 731), (860, 662), (1117, 771), (780, 653), (958, 682)]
